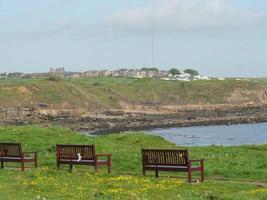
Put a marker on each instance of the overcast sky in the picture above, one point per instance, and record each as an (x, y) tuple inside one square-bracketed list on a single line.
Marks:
[(215, 37)]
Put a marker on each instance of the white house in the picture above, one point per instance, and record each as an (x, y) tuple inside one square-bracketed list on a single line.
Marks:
[(199, 77)]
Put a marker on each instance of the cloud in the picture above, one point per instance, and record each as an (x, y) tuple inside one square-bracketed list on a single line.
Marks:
[(185, 15)]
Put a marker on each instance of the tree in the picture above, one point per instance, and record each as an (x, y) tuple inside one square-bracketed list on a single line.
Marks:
[(192, 72), (150, 69), (175, 71)]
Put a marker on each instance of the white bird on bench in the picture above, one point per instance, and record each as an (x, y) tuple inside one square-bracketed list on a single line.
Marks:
[(79, 157)]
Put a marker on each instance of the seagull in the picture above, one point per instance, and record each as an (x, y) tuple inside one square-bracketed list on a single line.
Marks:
[(79, 157)]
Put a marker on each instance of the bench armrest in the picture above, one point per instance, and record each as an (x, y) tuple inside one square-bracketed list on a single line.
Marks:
[(108, 155), (201, 160), (34, 153), (30, 152), (103, 154)]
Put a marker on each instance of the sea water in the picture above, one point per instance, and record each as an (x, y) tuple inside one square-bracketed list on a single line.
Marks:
[(232, 135)]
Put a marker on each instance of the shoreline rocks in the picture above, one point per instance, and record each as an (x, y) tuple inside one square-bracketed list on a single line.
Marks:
[(118, 120)]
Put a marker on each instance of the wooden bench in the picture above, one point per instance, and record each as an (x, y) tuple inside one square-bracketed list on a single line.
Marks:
[(12, 152), (81, 155), (170, 160)]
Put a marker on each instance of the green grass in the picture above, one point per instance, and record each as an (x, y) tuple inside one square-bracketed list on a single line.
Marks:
[(114, 93), (237, 165)]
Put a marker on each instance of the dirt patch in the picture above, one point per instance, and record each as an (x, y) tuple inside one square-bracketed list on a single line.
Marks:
[(238, 96), (21, 89), (24, 91), (246, 96), (35, 88), (8, 88)]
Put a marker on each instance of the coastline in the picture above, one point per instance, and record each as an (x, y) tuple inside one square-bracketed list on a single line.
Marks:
[(118, 121)]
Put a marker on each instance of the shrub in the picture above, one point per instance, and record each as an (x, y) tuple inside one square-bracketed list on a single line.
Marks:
[(54, 78)]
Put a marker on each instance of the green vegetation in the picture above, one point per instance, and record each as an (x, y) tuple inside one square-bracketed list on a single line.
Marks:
[(192, 72), (115, 93), (175, 71), (236, 165), (54, 78), (150, 69)]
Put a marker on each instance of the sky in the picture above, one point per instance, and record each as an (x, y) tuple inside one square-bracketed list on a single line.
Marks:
[(216, 37)]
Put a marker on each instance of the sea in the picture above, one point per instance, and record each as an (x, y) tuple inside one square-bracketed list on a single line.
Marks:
[(223, 135)]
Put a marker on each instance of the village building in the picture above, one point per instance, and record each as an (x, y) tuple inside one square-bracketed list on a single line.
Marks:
[(59, 71)]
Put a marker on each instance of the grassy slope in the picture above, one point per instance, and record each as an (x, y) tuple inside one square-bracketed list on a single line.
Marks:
[(110, 92), (126, 182)]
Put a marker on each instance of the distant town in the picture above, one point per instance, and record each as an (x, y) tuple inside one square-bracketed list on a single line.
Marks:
[(172, 74)]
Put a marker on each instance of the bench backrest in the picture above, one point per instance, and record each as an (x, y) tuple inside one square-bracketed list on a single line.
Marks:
[(66, 151), (10, 150), (165, 157)]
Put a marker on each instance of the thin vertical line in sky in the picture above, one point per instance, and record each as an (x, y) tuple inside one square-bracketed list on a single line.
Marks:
[(152, 39)]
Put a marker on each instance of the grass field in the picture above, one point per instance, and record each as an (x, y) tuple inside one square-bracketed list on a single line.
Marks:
[(230, 171), (113, 93)]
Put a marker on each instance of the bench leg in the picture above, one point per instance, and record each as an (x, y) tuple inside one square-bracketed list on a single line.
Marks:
[(35, 161), (22, 166), (189, 176), (109, 169), (2, 165), (202, 175), (202, 170), (58, 166), (109, 165), (96, 167), (70, 168), (144, 172), (156, 173)]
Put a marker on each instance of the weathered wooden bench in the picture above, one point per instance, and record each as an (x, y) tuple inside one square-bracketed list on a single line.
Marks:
[(12, 152), (170, 160), (81, 155)]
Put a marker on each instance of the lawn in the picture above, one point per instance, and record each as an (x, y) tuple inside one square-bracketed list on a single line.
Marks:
[(230, 171)]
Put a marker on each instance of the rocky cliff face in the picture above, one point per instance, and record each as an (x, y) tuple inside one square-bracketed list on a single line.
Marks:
[(121, 120), (132, 104)]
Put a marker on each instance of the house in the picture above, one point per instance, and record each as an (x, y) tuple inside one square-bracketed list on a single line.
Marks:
[(199, 77), (15, 75), (104, 73), (73, 74), (183, 77), (120, 73), (59, 71), (3, 75), (91, 73)]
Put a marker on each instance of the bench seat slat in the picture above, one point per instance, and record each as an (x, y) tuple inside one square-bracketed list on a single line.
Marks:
[(170, 168), (15, 158), (83, 161)]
